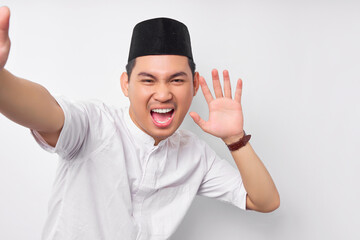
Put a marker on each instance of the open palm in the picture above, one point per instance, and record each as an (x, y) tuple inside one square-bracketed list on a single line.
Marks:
[(225, 113)]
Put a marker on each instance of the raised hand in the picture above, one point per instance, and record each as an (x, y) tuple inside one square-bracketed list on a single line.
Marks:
[(225, 113), (4, 36)]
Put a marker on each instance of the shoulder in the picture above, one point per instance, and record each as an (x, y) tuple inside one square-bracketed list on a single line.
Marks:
[(186, 137), (190, 148), (193, 141), (93, 119), (189, 140), (93, 109)]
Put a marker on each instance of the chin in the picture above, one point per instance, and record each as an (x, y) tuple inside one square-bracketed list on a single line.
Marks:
[(163, 134)]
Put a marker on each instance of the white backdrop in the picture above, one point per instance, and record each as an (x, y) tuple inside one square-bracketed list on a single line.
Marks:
[(299, 61)]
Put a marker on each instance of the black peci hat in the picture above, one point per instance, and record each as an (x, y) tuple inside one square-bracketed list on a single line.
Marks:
[(160, 36)]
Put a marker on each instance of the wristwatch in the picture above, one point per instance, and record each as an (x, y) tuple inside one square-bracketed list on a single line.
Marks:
[(239, 144)]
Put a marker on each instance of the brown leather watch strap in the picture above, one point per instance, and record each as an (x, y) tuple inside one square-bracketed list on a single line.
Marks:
[(239, 144)]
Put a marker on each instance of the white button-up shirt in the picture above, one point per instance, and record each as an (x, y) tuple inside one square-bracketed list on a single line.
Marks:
[(113, 183)]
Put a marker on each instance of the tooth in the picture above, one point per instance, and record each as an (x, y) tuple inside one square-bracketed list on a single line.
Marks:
[(160, 110), (163, 121)]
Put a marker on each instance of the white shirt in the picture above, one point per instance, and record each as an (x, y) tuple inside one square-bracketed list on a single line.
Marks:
[(113, 183)]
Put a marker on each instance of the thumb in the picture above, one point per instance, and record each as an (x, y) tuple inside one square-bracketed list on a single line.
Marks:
[(198, 120), (4, 35), (4, 24)]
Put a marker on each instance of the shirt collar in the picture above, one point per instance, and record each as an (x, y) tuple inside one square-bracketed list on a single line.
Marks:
[(139, 134)]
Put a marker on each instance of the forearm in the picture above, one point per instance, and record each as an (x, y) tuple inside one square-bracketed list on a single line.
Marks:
[(257, 181), (28, 104), (262, 194)]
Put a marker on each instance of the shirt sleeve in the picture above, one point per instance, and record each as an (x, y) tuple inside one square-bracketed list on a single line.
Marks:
[(74, 132), (222, 181)]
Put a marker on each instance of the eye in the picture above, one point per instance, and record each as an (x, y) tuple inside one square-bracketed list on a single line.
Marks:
[(147, 81), (177, 81)]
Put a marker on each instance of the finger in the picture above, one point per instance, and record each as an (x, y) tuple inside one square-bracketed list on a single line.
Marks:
[(227, 84), (4, 23), (205, 90), (198, 120), (216, 84), (238, 91)]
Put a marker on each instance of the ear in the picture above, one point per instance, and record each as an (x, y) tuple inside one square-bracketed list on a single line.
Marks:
[(124, 82), (196, 82)]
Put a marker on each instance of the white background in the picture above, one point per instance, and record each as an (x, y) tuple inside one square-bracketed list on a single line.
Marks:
[(299, 61)]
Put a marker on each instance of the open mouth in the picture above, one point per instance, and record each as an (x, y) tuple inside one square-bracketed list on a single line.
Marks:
[(162, 117)]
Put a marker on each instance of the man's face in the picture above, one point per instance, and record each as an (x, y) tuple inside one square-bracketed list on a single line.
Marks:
[(160, 91)]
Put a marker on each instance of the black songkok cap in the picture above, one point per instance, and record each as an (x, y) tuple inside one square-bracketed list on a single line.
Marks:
[(160, 36)]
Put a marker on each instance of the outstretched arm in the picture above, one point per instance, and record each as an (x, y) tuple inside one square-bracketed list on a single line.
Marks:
[(226, 122), (24, 102)]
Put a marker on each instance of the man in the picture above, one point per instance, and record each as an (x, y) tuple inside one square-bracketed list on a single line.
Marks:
[(130, 173)]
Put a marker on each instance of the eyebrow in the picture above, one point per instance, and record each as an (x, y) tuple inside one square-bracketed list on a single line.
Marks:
[(145, 74), (178, 74)]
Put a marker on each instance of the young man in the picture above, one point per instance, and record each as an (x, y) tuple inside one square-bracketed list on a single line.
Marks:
[(130, 173)]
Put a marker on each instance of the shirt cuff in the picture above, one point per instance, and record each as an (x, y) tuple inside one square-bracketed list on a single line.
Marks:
[(41, 141), (240, 199)]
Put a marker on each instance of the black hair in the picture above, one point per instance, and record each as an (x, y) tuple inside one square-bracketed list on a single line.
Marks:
[(131, 64)]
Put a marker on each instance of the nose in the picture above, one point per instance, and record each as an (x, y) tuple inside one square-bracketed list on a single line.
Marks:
[(162, 93)]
